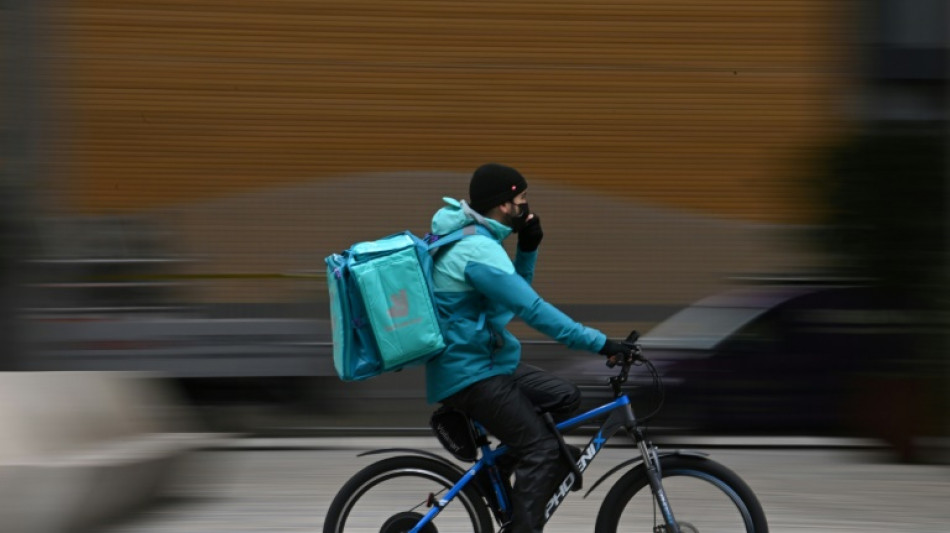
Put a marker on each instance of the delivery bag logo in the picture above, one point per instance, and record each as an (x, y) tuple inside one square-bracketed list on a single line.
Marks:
[(399, 307), (399, 311)]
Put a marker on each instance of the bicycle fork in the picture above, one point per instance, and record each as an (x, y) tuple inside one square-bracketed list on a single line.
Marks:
[(654, 474)]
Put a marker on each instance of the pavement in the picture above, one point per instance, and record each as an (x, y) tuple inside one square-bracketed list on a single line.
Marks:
[(286, 484)]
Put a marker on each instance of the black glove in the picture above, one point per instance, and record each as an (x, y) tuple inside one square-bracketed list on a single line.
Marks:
[(529, 237), (616, 352), (612, 348)]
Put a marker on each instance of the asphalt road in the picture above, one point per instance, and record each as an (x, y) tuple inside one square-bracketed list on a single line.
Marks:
[(286, 486)]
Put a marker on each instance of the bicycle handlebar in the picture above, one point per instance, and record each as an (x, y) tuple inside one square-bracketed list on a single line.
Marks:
[(633, 355), (629, 359)]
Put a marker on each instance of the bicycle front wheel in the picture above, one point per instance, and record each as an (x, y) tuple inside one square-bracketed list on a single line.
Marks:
[(705, 497), (392, 495)]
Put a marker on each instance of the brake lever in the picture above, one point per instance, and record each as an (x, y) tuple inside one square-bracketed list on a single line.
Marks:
[(628, 359), (635, 352)]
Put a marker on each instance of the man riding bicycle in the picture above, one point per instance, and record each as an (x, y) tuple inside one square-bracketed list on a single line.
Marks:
[(478, 290)]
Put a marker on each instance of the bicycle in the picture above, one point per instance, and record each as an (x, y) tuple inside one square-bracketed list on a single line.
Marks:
[(706, 496)]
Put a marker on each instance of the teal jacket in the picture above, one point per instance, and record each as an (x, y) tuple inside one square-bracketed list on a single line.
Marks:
[(478, 290)]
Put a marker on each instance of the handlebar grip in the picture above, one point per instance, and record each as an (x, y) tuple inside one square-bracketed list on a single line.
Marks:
[(632, 338), (627, 359)]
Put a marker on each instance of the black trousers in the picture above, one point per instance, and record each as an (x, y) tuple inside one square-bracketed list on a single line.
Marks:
[(508, 408)]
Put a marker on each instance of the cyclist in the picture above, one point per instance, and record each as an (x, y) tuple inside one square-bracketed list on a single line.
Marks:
[(478, 291)]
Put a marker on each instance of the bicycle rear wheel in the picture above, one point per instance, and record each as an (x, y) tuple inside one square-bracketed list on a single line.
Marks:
[(390, 496), (705, 497)]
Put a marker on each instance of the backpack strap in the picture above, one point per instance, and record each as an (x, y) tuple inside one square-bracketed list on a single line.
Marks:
[(438, 241)]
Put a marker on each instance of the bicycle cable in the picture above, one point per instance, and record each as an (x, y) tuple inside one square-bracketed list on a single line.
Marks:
[(657, 386)]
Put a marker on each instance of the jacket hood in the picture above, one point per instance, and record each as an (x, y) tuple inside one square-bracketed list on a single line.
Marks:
[(457, 214)]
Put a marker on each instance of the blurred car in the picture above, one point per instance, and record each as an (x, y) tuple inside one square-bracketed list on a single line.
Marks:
[(782, 359)]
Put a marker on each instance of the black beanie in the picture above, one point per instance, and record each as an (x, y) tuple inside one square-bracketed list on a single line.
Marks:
[(494, 184)]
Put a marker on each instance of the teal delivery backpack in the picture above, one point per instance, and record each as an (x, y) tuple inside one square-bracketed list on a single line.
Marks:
[(381, 304)]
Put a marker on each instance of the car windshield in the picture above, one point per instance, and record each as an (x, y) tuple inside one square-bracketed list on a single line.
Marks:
[(699, 328)]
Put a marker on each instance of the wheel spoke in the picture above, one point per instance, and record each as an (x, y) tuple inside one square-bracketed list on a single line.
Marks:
[(703, 496), (393, 495)]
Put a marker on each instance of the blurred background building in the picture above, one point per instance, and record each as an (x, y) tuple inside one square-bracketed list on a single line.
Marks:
[(175, 171)]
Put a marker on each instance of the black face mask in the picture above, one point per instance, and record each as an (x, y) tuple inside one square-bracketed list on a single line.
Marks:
[(518, 221)]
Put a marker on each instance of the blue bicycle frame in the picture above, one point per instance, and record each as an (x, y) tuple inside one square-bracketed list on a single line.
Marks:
[(620, 416)]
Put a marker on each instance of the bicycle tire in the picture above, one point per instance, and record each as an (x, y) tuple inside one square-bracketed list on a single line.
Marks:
[(700, 492), (413, 479)]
